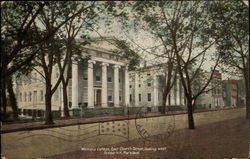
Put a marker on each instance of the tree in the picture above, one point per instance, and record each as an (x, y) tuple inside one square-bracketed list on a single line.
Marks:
[(127, 52), (146, 18), (17, 35), (12, 98), (185, 33), (232, 29), (51, 51), (84, 21), (20, 38)]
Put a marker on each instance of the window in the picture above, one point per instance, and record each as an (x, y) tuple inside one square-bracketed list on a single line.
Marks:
[(25, 96), (130, 86), (20, 98), (149, 84), (139, 85), (110, 98), (119, 80), (98, 78), (41, 95), (120, 98), (30, 96), (139, 97), (109, 79), (130, 97), (85, 75), (149, 97), (148, 74), (35, 96)]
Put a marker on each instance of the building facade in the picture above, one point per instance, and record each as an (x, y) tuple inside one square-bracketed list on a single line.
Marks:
[(241, 95), (101, 82), (230, 92), (147, 86), (212, 97)]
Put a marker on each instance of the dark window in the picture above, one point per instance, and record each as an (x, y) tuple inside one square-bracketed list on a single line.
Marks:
[(130, 86), (109, 98), (139, 97), (130, 97), (148, 74), (139, 85), (25, 96), (149, 97), (120, 98), (98, 78), (41, 95), (149, 84), (20, 98), (109, 79), (85, 78), (30, 96)]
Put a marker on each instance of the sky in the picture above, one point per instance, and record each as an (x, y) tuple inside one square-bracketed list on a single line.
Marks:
[(143, 40), (140, 41)]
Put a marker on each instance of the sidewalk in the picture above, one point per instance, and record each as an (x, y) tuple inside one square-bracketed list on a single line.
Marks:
[(13, 127), (226, 139)]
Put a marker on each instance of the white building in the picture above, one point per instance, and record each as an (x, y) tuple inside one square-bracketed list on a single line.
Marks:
[(101, 82), (146, 88), (212, 97)]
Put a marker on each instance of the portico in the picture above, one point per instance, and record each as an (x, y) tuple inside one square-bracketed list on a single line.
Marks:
[(106, 84)]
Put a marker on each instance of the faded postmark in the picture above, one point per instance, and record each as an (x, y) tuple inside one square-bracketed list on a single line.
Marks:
[(144, 128)]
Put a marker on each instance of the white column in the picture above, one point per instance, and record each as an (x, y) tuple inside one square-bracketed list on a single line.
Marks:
[(183, 95), (75, 85), (116, 86), (155, 90), (126, 91), (136, 91), (172, 95), (178, 102), (90, 84), (166, 79), (104, 85)]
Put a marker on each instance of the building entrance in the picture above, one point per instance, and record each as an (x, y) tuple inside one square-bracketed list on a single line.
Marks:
[(98, 97)]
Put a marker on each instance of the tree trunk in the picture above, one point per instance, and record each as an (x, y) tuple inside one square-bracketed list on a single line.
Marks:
[(65, 101), (167, 87), (3, 93), (12, 98), (190, 115), (4, 98), (164, 105), (247, 96), (48, 112)]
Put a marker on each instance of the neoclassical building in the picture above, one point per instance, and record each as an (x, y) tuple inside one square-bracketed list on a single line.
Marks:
[(101, 82), (147, 86), (212, 97)]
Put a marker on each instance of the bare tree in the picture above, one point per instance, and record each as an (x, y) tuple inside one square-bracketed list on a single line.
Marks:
[(51, 50), (185, 33), (233, 38)]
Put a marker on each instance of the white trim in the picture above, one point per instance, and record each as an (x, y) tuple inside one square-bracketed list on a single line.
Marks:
[(108, 61)]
